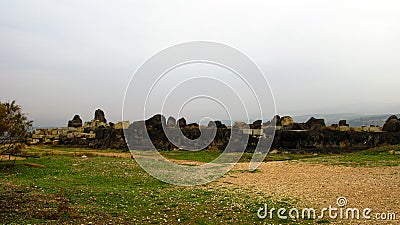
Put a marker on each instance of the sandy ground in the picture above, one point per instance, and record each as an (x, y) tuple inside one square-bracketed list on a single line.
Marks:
[(316, 185)]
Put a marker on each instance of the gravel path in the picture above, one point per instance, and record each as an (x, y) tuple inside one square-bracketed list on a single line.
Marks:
[(319, 186)]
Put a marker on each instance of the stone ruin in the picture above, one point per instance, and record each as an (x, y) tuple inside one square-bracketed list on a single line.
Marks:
[(311, 136), (96, 133), (99, 116), (392, 124), (75, 122)]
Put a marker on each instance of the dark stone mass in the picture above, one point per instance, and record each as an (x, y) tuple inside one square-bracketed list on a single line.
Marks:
[(75, 122), (311, 136), (99, 115), (392, 124)]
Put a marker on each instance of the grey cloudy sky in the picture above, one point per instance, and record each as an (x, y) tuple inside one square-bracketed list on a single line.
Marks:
[(59, 58)]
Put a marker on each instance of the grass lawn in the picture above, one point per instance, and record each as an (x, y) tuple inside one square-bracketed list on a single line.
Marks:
[(380, 156), (375, 157), (71, 189), (105, 190)]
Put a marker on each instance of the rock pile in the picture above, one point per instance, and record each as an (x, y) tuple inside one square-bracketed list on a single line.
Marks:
[(315, 124), (311, 136), (75, 122), (96, 133), (99, 116), (392, 124)]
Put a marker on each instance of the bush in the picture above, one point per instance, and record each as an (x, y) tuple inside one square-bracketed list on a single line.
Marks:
[(14, 128)]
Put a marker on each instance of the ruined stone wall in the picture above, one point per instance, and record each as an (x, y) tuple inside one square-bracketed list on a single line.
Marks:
[(312, 136), (94, 136), (323, 140), (327, 140)]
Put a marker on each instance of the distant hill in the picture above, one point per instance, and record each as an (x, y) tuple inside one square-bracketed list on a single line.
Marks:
[(353, 119)]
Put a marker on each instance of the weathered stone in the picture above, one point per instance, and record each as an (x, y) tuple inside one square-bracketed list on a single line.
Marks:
[(276, 121), (122, 125), (182, 122), (192, 125), (99, 115), (34, 141), (171, 122), (75, 122), (375, 129), (273, 151), (268, 123), (94, 124), (217, 124), (156, 122), (287, 121), (256, 124), (38, 136), (241, 125), (315, 124), (92, 136), (301, 137), (344, 128), (343, 123), (392, 124), (258, 132)]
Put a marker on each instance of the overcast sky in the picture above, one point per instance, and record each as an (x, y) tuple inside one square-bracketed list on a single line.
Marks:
[(60, 58)]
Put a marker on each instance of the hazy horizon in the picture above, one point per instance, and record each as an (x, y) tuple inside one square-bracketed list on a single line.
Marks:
[(330, 118), (63, 58)]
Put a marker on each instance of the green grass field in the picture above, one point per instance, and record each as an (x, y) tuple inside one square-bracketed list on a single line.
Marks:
[(70, 189), (110, 190), (367, 158)]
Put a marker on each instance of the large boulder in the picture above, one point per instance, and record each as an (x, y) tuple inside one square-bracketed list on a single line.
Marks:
[(240, 125), (182, 122), (276, 121), (93, 124), (220, 125), (122, 125), (171, 122), (392, 117), (256, 124), (343, 123), (217, 124), (392, 124), (315, 124), (75, 122), (156, 122), (99, 115), (287, 121)]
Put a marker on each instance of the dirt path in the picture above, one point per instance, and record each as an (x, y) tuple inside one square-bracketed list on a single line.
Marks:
[(320, 185)]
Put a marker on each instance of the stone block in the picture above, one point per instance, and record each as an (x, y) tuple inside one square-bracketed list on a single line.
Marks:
[(37, 136), (122, 125), (344, 128)]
